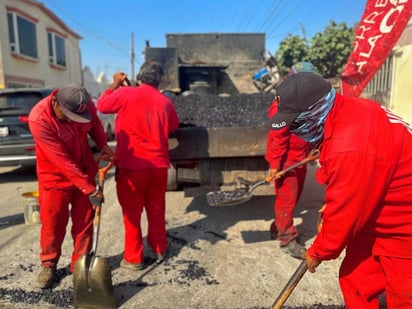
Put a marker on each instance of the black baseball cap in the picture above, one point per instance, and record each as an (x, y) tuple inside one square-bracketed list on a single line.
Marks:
[(74, 100), (297, 93)]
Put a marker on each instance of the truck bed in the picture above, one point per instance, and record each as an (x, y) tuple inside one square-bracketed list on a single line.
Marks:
[(202, 143)]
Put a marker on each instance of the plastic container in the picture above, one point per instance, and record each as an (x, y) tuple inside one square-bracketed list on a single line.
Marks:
[(31, 207)]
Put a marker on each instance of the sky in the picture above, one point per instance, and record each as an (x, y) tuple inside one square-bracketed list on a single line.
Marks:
[(108, 27)]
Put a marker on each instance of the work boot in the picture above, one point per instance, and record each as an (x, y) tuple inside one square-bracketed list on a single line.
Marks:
[(294, 249), (45, 278), (132, 266), (161, 257)]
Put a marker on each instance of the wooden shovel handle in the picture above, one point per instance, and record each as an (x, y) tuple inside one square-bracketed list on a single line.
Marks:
[(103, 170), (297, 275), (313, 155), (290, 286)]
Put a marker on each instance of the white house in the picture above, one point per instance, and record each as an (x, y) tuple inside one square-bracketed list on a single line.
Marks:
[(392, 85), (401, 99), (37, 49)]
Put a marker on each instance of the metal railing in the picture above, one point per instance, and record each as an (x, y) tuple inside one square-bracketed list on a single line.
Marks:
[(380, 86)]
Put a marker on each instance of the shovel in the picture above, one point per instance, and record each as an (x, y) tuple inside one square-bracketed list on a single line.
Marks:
[(298, 274), (290, 286), (92, 279), (239, 196)]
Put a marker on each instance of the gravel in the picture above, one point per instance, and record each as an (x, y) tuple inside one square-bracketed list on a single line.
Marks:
[(243, 110)]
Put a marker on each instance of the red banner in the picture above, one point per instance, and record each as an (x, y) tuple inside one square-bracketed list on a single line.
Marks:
[(381, 25)]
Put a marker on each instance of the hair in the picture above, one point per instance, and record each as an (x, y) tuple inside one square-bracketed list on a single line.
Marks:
[(150, 73)]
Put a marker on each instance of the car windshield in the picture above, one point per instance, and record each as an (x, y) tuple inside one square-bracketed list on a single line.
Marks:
[(23, 101)]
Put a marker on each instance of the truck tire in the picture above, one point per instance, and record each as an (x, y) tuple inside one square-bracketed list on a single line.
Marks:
[(172, 179)]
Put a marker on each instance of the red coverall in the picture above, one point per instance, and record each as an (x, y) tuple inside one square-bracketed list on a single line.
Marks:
[(145, 119), (283, 150), (65, 169), (366, 163)]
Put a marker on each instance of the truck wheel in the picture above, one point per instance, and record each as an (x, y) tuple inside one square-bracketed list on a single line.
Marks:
[(172, 179)]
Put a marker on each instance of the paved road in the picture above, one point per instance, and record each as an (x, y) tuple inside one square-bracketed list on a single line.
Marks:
[(220, 257)]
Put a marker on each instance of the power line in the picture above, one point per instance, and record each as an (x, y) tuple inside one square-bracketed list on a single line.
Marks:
[(113, 44), (268, 17)]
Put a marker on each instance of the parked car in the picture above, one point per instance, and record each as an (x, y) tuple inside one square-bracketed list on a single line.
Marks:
[(16, 142), (107, 121)]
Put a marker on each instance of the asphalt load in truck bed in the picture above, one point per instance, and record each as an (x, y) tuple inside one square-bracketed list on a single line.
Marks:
[(242, 110)]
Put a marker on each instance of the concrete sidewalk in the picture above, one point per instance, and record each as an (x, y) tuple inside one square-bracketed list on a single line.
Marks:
[(220, 257)]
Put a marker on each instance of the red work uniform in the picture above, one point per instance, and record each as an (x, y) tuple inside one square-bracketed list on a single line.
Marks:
[(366, 163), (145, 119), (65, 169), (283, 150)]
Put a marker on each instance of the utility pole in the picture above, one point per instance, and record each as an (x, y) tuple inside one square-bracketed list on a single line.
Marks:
[(303, 31), (132, 58)]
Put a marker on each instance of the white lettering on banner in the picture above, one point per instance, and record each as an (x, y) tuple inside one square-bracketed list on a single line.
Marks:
[(361, 64), (396, 119), (370, 19), (384, 27), (383, 3), (372, 42), (364, 29)]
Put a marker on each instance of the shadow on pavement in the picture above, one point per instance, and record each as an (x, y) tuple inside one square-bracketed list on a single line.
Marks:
[(18, 174), (12, 220)]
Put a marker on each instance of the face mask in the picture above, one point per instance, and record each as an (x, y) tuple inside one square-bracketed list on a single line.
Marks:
[(309, 124)]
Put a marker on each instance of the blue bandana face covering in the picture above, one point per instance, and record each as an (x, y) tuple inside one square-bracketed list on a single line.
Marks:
[(309, 124)]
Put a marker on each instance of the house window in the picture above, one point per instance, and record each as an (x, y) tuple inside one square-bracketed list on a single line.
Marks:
[(22, 36), (57, 51)]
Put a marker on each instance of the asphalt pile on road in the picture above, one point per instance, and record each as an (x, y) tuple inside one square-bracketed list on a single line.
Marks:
[(60, 299), (243, 110)]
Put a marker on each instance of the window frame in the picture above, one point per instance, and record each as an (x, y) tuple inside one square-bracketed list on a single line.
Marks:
[(16, 37), (56, 56)]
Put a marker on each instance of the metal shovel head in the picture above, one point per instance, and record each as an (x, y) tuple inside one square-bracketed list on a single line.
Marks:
[(228, 198), (234, 197), (92, 283)]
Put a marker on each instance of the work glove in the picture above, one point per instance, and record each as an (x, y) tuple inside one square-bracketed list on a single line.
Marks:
[(96, 198), (273, 174)]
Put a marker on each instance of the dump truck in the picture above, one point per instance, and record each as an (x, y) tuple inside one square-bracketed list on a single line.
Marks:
[(217, 156), (219, 67)]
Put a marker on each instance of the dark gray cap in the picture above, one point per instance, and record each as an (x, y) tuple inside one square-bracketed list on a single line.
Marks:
[(74, 101), (296, 94)]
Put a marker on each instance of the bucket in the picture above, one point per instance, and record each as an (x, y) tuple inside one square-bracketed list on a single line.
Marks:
[(31, 207)]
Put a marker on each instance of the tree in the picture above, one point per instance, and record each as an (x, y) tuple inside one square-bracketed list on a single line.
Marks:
[(328, 50), (292, 49)]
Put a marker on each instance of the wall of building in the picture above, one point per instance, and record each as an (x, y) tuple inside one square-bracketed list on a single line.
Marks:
[(38, 72), (401, 98)]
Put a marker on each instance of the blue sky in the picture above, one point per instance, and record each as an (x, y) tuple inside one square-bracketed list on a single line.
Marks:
[(107, 26)]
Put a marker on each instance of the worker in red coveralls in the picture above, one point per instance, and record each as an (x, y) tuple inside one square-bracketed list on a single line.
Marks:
[(366, 165), (145, 119), (283, 150), (60, 124)]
